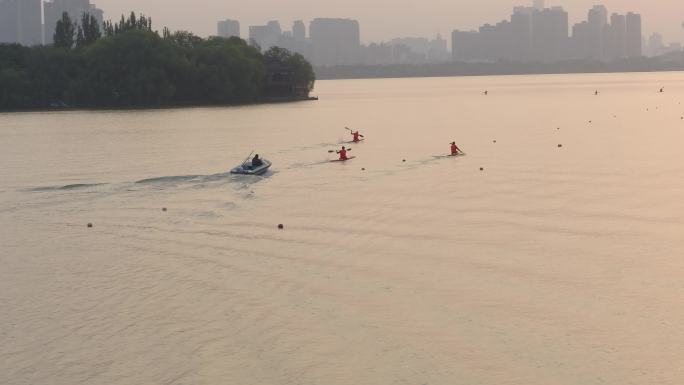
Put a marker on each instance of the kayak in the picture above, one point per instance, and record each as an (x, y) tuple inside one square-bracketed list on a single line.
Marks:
[(352, 142), (343, 160), (247, 169), (449, 156)]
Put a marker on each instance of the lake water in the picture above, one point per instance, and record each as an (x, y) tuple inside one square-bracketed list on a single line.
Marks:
[(552, 265)]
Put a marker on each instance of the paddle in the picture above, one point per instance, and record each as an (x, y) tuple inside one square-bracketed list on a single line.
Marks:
[(352, 131), (335, 151)]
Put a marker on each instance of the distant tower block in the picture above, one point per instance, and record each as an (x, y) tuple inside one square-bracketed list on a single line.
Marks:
[(538, 4), (299, 30), (228, 28)]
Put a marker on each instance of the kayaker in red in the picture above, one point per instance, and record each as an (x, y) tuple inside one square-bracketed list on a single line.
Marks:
[(454, 149), (343, 153), (356, 136)]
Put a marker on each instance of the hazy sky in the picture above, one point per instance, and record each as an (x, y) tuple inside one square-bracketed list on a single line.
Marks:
[(382, 19)]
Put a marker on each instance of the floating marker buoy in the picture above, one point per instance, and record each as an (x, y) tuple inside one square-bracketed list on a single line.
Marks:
[(280, 226), (90, 225)]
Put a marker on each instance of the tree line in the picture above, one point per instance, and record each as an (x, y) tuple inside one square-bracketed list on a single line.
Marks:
[(127, 64)]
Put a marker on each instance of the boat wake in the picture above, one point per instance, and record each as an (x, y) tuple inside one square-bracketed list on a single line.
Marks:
[(170, 179), (77, 186)]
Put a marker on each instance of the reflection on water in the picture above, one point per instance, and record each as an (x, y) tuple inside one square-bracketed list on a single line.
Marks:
[(550, 254)]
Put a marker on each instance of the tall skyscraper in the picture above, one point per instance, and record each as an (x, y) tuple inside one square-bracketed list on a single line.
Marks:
[(617, 37), (53, 10), (549, 34), (228, 28), (633, 35), (20, 22), (299, 30), (579, 41), (598, 21), (521, 33), (335, 41)]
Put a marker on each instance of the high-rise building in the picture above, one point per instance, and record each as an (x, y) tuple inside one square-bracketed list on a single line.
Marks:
[(616, 46), (598, 21), (521, 33), (228, 28), (265, 36), (299, 30), (531, 35), (549, 34), (54, 9), (20, 22), (437, 51), (335, 41), (633, 35), (274, 26), (579, 41)]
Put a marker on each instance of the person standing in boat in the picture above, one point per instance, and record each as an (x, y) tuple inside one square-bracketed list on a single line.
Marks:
[(455, 150), (256, 162), (343, 153)]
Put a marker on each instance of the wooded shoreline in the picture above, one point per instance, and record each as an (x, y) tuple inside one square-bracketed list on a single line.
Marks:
[(132, 66)]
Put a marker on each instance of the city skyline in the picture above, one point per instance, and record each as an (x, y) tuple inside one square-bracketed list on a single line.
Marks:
[(561, 37), (426, 18), (539, 34)]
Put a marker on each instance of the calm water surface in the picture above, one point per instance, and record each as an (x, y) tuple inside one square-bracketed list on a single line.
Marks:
[(552, 265)]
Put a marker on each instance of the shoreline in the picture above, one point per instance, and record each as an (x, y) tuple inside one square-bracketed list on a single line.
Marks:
[(274, 100), (460, 69), (472, 75)]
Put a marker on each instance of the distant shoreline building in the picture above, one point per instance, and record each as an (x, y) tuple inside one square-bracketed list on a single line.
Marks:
[(633, 35), (228, 28), (335, 42), (265, 36), (21, 22), (538, 34)]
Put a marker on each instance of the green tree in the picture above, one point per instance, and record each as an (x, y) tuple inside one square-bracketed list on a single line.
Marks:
[(185, 39), (136, 68), (289, 72), (303, 71), (88, 31), (131, 66), (65, 32), (227, 71)]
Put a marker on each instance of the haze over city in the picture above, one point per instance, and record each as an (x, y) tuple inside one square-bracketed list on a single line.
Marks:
[(385, 19)]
